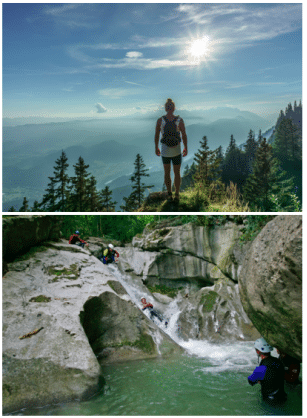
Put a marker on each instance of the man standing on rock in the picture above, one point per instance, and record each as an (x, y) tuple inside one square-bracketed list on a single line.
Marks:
[(270, 374)]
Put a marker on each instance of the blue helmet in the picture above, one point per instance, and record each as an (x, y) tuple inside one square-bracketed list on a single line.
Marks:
[(77, 232)]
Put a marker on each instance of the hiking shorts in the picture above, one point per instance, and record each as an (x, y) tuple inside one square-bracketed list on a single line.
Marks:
[(175, 160)]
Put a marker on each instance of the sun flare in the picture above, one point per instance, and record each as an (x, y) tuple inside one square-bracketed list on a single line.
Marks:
[(200, 47)]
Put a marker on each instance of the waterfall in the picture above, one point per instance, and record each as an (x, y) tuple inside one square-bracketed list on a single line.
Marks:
[(235, 356)]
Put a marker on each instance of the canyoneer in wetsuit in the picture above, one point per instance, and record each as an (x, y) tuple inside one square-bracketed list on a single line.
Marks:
[(270, 374), (109, 255), (149, 306), (292, 367), (75, 239)]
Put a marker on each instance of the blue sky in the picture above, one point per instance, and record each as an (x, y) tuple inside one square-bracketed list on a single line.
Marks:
[(104, 60)]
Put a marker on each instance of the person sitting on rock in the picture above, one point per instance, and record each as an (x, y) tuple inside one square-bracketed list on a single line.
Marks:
[(149, 306), (292, 367), (109, 255), (270, 374), (75, 239)]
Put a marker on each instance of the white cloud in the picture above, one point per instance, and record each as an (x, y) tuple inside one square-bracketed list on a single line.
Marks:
[(100, 108), (134, 54), (118, 93)]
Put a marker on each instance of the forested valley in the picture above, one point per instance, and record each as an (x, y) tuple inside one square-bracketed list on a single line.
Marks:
[(265, 174)]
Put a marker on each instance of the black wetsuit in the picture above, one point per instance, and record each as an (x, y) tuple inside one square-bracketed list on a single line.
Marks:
[(153, 313), (270, 372)]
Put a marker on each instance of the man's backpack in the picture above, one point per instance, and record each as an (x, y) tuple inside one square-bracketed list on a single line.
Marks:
[(171, 136)]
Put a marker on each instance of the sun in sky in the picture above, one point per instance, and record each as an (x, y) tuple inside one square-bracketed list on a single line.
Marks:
[(199, 47), (87, 58)]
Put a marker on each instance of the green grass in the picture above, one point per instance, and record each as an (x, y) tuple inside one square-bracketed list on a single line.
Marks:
[(196, 200)]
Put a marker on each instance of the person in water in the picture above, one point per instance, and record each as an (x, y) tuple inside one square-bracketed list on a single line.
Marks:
[(75, 239), (109, 255), (270, 374), (149, 306), (172, 130), (292, 367)]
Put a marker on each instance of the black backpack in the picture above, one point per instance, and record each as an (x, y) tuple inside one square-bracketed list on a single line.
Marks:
[(171, 137)]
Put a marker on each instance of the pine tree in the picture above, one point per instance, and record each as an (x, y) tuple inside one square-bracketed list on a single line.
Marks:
[(287, 144), (61, 177), (234, 167), (92, 196), (232, 145), (48, 204), (260, 138), (12, 209), (35, 207), (266, 180), (25, 205), (106, 200), (78, 188), (136, 198), (207, 164), (250, 150)]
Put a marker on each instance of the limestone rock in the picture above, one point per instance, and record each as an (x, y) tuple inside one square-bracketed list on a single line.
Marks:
[(271, 283), (207, 252), (19, 233), (53, 290)]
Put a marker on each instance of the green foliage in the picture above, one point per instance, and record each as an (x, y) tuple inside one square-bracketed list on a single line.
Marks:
[(164, 290), (211, 220), (208, 300), (136, 197), (121, 228), (25, 205), (40, 298), (253, 225)]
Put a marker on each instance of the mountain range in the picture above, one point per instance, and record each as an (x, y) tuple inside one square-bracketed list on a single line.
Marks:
[(109, 146)]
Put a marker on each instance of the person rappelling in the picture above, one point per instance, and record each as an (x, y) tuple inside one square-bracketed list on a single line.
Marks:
[(110, 255), (270, 374), (153, 313)]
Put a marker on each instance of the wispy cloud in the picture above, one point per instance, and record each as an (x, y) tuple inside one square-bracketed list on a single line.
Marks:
[(118, 93), (136, 84), (73, 16), (100, 108), (244, 23)]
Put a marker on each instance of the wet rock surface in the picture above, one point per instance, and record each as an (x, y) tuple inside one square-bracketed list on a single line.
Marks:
[(44, 301), (271, 283)]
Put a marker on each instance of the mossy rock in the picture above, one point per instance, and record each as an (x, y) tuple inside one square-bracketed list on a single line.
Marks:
[(61, 272), (144, 343), (164, 290), (40, 298), (117, 287), (208, 300)]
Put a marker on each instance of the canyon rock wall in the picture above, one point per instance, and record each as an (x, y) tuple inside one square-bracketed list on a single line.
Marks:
[(271, 283)]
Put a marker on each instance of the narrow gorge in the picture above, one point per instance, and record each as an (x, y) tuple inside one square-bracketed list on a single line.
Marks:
[(67, 316)]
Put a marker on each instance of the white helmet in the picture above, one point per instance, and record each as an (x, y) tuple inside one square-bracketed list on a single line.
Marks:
[(263, 346), (111, 246)]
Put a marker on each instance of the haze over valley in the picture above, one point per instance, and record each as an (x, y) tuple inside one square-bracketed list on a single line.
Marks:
[(109, 146)]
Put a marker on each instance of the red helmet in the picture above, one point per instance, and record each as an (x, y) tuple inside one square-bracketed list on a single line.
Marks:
[(143, 300)]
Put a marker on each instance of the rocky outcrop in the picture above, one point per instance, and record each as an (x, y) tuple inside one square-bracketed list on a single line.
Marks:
[(201, 266), (70, 309), (195, 252), (271, 283), (20, 233)]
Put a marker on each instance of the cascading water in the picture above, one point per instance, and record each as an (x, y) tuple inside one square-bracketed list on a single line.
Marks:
[(221, 356), (210, 379)]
